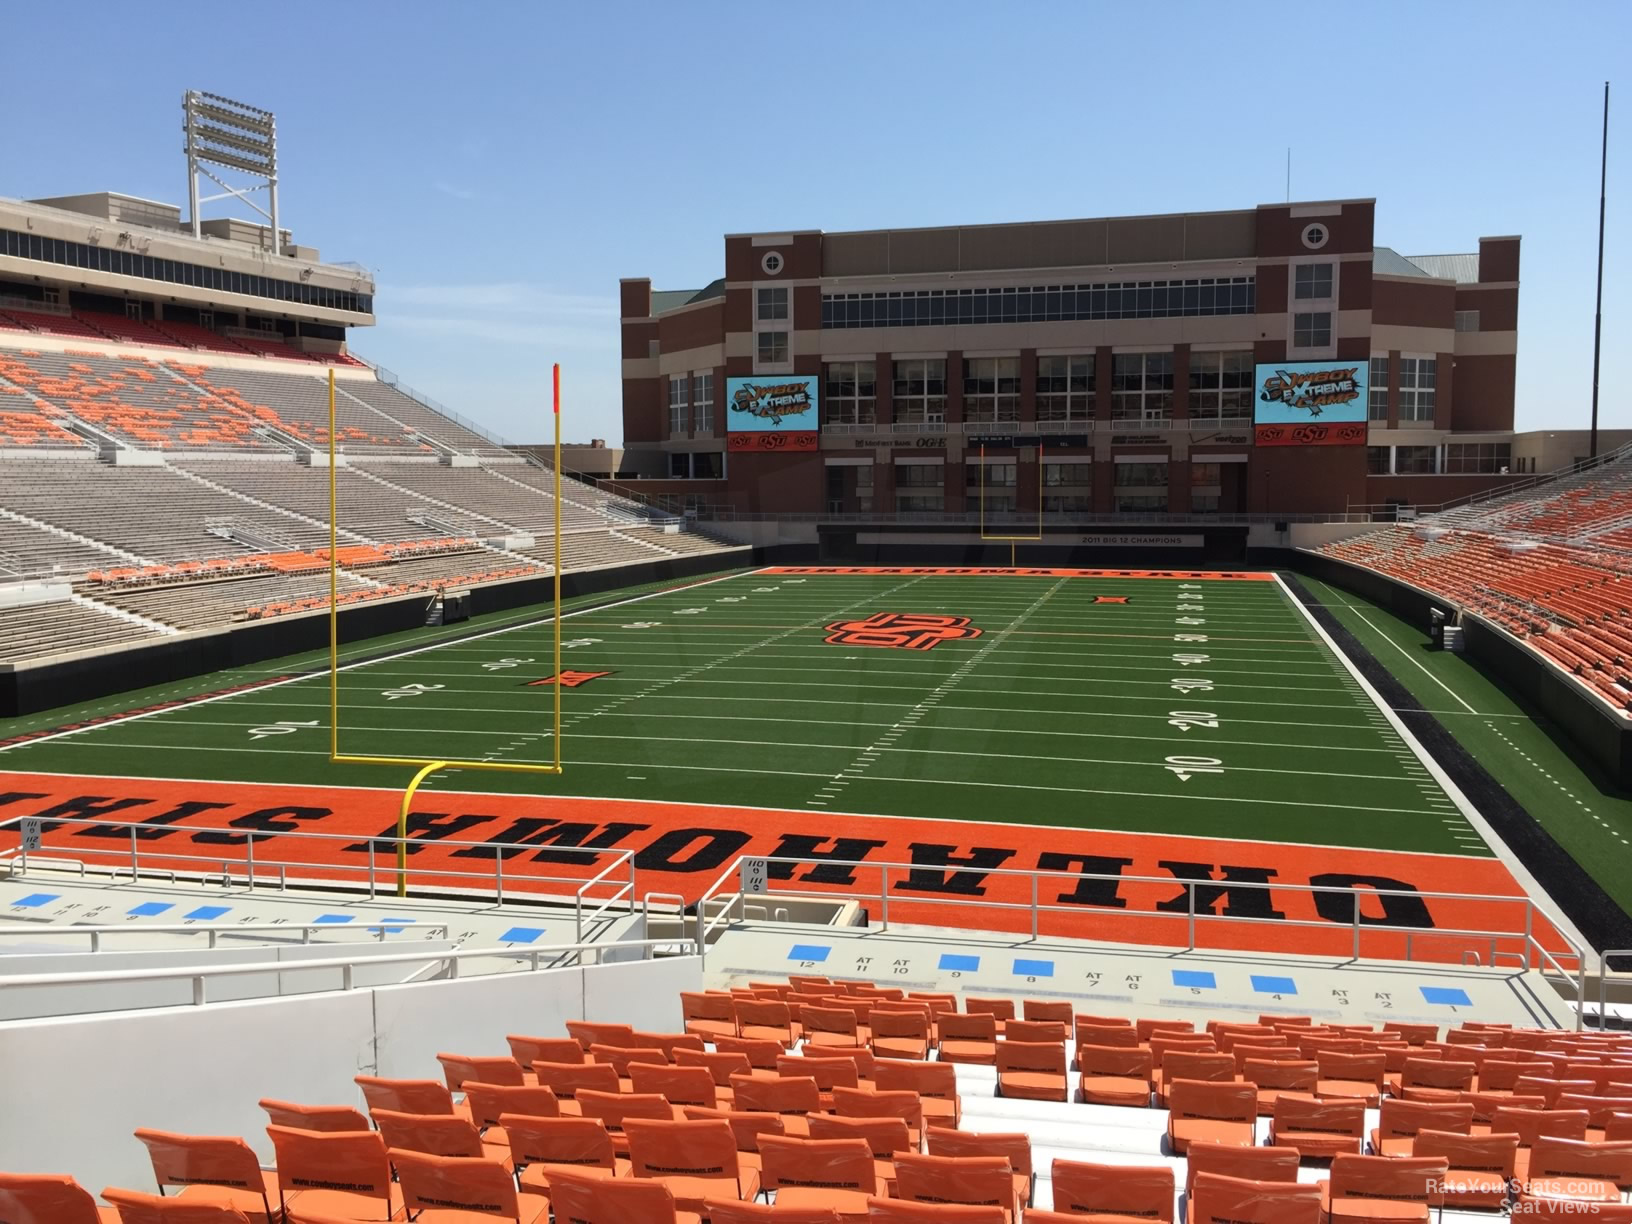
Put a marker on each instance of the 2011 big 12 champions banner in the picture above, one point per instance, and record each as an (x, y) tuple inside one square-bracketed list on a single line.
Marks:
[(1310, 403), (773, 412)]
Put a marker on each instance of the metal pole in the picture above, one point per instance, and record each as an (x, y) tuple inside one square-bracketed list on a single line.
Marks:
[(1598, 309), (884, 897), (555, 379), (1190, 894), (134, 869), (1356, 896), (1034, 906), (334, 594)]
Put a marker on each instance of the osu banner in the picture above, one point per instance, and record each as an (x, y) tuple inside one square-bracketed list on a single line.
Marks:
[(1311, 403), (774, 412), (1128, 887)]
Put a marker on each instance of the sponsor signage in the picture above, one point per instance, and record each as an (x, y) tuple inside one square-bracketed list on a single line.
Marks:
[(1310, 403), (1048, 441), (1139, 541), (773, 412)]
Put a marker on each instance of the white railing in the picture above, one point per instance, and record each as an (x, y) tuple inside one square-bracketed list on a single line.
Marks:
[(380, 870), (1605, 972), (728, 906), (555, 956), (97, 934)]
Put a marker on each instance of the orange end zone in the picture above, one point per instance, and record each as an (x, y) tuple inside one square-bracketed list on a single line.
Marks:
[(958, 571), (683, 848)]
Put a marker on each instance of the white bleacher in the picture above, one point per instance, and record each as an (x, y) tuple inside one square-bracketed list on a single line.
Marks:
[(37, 631)]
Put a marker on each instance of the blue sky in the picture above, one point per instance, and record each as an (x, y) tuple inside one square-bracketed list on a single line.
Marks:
[(500, 165)]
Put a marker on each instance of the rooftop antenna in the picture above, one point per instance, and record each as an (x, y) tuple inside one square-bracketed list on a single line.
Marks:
[(1598, 310)]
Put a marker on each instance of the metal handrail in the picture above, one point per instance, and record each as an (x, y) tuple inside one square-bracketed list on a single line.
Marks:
[(1536, 954), (374, 869), (450, 958), (200, 928), (1605, 973)]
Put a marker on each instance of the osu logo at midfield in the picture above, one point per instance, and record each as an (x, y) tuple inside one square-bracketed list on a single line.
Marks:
[(900, 630), (569, 678)]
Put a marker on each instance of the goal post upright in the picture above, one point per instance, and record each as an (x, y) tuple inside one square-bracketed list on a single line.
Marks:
[(424, 767), (1011, 539)]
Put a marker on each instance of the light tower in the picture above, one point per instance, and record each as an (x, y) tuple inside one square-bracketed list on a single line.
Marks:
[(234, 136)]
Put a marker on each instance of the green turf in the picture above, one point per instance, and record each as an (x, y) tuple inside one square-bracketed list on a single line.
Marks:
[(1059, 713), (1588, 817)]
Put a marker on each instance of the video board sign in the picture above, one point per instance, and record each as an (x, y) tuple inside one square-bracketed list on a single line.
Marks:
[(1310, 403), (773, 412)]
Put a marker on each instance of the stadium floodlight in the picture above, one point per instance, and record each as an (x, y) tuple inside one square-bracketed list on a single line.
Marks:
[(233, 136)]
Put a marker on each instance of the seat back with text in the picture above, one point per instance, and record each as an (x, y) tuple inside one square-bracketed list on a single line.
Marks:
[(862, 1103), (747, 1126), (1265, 1164), (1531, 1124), (487, 1101), (1048, 1009), (999, 1008), (1400, 1119), (978, 1181), (490, 1069), (968, 1026), (405, 1095), (1413, 1179), (927, 1079), (721, 1065), (1493, 1153), (883, 1136), (1217, 1199), (703, 1149), (1035, 1031), (899, 1211), (209, 1160), (559, 1141), (829, 1073), (312, 1117), (723, 1212), (677, 1085), (1013, 1146), (1030, 1057), (1577, 1160), (1433, 1073), (528, 1050), (45, 1198), (1212, 1101), (438, 1134), (826, 1164), (590, 1032), (353, 1161), (455, 1183), (776, 1094), (1197, 1065), (1124, 1190), (567, 1080), (134, 1207), (612, 1108)]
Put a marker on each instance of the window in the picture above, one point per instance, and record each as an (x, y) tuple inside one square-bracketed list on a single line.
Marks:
[(1156, 299), (1377, 460), (773, 348), (1478, 458), (1313, 330), (1142, 386), (991, 389), (997, 475), (1068, 503), (919, 391), (702, 402), (679, 465), (773, 304), (1312, 282), (1141, 475), (708, 465), (918, 487), (851, 392), (1467, 320), (1221, 386), (1065, 388), (1056, 475), (1417, 377), (1414, 460), (679, 416), (1377, 390)]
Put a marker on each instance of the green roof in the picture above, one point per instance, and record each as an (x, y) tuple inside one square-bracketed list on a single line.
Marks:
[(664, 300)]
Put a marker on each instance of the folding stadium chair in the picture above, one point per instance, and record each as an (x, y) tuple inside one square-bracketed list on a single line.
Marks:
[(793, 1098), (1501, 1075), (620, 1058), (590, 1032), (829, 1073), (897, 1211), (1263, 1164), (134, 1207), (1032, 1070), (829, 1026), (969, 1038), (1001, 1010), (406, 1095), (833, 1173), (438, 1134), (708, 1015), (206, 1165), (1122, 1036), (528, 1050), (936, 1084), (613, 1109), (885, 1137), (314, 1117), (669, 1042), (1049, 1009), (746, 1127), (49, 1198), (1533, 1124), (677, 1085), (487, 1101), (695, 1160), (567, 1080), (1318, 1129), (1033, 1032), (1211, 1111), (1363, 1189), (1273, 1078), (1013, 1146), (312, 1164), (1345, 1076), (542, 1147), (717, 1211), (1599, 1111), (1422, 1078), (459, 1183), (1115, 1194), (863, 1058), (974, 1181), (721, 1066), (1217, 1199), (1480, 1166), (1148, 1028), (493, 1069), (901, 1034), (868, 1103), (1399, 1121), (1218, 1068), (1112, 1075), (765, 1020), (760, 1052), (1576, 1169)]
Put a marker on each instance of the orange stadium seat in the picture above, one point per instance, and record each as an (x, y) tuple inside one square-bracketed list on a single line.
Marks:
[(216, 1168), (48, 1198), (1218, 1199), (1113, 1194)]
